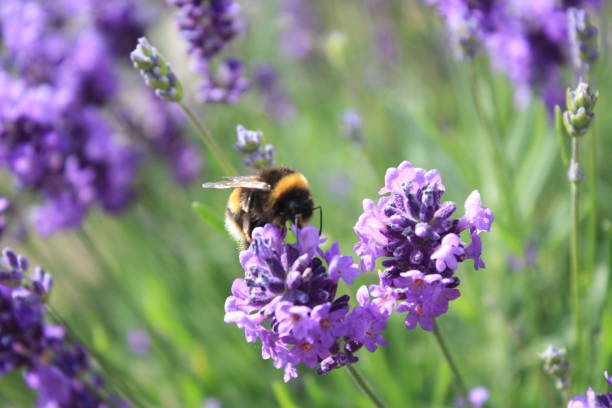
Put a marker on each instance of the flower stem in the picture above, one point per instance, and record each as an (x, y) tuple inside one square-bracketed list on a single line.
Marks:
[(575, 261), (208, 140), (365, 387), (449, 359), (503, 171), (166, 350)]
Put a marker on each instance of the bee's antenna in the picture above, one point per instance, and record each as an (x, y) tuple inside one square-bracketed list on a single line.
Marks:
[(320, 219)]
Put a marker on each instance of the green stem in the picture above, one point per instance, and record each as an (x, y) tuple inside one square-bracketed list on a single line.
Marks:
[(208, 140), (449, 359), (111, 374), (171, 361), (575, 261), (365, 387), (125, 388), (592, 233), (502, 170)]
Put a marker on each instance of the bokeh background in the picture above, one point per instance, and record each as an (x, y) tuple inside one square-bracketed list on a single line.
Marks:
[(145, 290)]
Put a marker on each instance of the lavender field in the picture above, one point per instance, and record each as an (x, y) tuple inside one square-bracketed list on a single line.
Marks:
[(419, 214)]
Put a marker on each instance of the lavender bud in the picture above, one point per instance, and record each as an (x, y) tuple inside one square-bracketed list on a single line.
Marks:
[(446, 210), (10, 258), (579, 114), (464, 34), (156, 71), (556, 364), (248, 140), (256, 155), (583, 39)]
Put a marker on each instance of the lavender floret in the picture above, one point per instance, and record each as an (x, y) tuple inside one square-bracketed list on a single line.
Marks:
[(256, 155), (529, 42), (209, 26), (156, 71), (276, 102), (288, 300), (591, 399), (57, 368), (411, 229)]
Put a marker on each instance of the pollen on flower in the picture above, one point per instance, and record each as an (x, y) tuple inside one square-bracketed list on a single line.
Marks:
[(306, 346)]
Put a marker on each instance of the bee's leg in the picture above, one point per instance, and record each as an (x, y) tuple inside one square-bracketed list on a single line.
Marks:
[(246, 223)]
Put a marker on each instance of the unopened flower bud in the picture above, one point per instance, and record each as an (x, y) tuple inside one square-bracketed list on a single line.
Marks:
[(156, 71), (579, 114), (556, 364), (583, 39)]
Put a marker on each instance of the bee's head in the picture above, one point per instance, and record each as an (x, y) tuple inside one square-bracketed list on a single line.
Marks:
[(296, 206)]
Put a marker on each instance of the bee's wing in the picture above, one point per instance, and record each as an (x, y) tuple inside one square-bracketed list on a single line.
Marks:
[(250, 182)]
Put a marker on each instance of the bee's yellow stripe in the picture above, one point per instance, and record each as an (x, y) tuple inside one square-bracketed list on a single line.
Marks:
[(233, 203), (288, 182)]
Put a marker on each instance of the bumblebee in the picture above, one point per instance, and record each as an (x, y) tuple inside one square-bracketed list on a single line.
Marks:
[(274, 195)]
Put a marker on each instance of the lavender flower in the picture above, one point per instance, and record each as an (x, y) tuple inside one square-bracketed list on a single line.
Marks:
[(351, 126), (476, 398), (256, 155), (300, 25), (421, 245), (287, 299), (164, 126), (592, 400), (156, 71), (579, 114), (582, 39), (527, 41), (4, 205), (58, 369), (383, 33), (556, 364), (55, 135), (209, 26), (276, 102), (42, 143), (139, 342), (121, 22), (227, 85)]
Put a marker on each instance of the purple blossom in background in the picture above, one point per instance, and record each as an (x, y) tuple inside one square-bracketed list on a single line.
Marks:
[(164, 125), (4, 205), (287, 299), (227, 85), (517, 263), (209, 26), (528, 41), (139, 342), (384, 37), (592, 400), (476, 398), (351, 126), (411, 229), (276, 102), (66, 153), (59, 370), (59, 79), (583, 39), (122, 23), (256, 155), (300, 25)]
